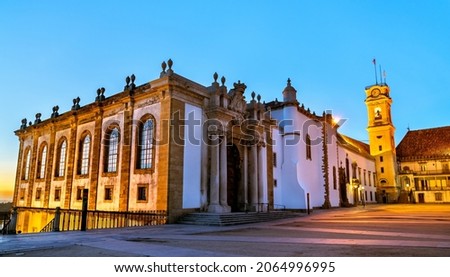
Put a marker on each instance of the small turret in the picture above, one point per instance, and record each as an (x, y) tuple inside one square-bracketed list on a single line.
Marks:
[(289, 93)]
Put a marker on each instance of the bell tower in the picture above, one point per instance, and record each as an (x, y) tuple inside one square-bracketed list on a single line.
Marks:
[(381, 140)]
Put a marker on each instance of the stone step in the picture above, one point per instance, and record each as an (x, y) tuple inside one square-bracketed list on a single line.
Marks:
[(216, 219)]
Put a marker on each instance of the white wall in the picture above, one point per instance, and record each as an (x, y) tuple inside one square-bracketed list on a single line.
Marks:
[(193, 137)]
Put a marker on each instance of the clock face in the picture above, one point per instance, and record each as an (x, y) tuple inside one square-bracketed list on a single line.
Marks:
[(375, 92)]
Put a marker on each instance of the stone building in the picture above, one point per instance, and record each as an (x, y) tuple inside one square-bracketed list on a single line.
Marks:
[(423, 162), (177, 146)]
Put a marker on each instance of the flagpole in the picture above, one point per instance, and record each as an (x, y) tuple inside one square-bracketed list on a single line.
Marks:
[(375, 70)]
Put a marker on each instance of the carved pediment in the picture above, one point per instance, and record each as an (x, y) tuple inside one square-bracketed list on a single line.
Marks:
[(237, 98)]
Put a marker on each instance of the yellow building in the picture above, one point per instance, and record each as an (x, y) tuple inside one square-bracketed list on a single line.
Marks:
[(381, 140)]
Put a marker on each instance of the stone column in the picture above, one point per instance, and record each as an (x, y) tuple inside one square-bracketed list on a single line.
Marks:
[(253, 175), (71, 163), (18, 172), (262, 178), (49, 167), (214, 205), (204, 185), (223, 175), (33, 168)]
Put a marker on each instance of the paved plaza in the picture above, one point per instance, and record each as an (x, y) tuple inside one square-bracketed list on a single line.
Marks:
[(395, 230)]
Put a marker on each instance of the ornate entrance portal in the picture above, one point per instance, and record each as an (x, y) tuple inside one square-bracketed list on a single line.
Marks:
[(234, 177)]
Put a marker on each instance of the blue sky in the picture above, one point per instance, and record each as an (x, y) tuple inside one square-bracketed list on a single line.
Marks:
[(54, 51)]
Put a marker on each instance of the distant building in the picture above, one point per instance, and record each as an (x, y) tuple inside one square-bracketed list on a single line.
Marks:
[(423, 160)]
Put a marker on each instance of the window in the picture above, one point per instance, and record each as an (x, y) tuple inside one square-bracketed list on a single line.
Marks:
[(142, 193), (347, 170), (274, 159), (22, 194), (85, 148), (145, 145), (308, 147), (26, 165), (423, 167), (61, 159), (438, 196), (370, 179), (334, 178), (57, 194), (275, 182), (374, 179), (111, 150), (381, 158), (380, 148), (42, 162), (38, 194), (108, 193), (382, 169), (80, 193), (377, 113), (371, 196), (365, 177)]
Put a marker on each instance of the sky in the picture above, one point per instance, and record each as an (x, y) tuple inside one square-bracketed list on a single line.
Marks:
[(54, 51)]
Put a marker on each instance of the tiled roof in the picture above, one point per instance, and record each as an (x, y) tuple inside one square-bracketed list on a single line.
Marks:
[(425, 143), (354, 145)]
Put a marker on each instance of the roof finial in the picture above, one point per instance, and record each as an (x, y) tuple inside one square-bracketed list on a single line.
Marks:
[(289, 82), (215, 76), (222, 80)]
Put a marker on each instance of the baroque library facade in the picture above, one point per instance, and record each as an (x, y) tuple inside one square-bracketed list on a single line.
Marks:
[(177, 146)]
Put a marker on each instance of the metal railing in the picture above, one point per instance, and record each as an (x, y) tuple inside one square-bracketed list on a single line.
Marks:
[(71, 220), (48, 227), (6, 220), (425, 172)]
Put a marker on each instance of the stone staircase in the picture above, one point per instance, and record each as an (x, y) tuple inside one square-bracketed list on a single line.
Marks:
[(225, 219)]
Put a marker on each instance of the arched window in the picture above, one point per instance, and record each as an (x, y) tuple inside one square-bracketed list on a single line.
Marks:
[(61, 159), (42, 162), (111, 150), (308, 147), (85, 148), (145, 145), (26, 164)]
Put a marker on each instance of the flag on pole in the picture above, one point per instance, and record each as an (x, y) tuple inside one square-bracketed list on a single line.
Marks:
[(374, 61)]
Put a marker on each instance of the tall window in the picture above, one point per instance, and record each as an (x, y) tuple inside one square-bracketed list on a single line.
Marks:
[(42, 162), (308, 147), (84, 155), (334, 178), (61, 156), (112, 150), (26, 164), (145, 147)]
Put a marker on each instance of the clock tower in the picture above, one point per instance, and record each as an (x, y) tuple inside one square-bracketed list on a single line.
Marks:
[(381, 140)]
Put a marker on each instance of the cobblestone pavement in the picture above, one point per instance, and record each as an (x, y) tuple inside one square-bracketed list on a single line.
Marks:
[(372, 231)]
